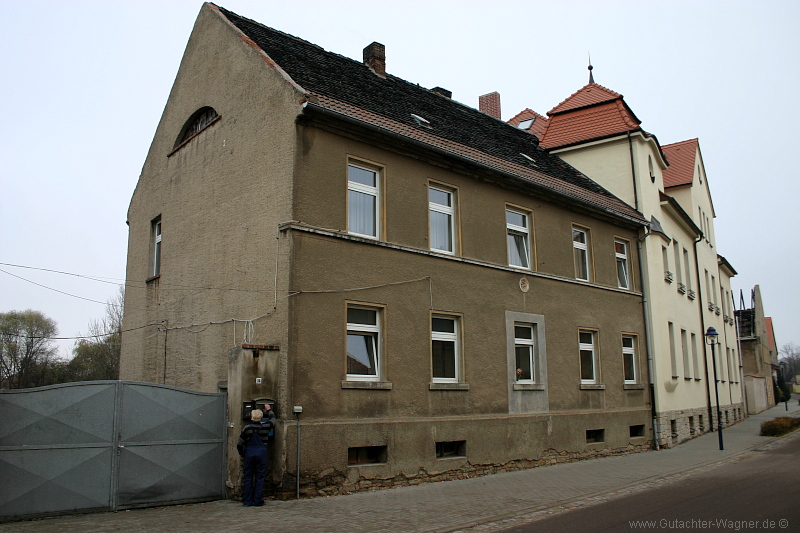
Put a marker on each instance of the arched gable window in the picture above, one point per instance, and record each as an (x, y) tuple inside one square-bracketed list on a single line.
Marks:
[(200, 120)]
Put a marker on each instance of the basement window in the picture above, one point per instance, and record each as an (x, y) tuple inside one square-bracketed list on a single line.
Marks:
[(595, 435), (526, 124), (366, 455), (457, 448), (637, 431)]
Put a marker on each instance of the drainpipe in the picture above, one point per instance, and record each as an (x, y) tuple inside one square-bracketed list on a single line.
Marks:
[(703, 330), (648, 342), (645, 306)]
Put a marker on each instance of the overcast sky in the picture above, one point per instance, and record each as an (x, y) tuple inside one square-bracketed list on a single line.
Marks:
[(84, 84)]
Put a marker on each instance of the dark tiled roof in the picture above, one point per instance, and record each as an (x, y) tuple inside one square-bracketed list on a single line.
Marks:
[(350, 87)]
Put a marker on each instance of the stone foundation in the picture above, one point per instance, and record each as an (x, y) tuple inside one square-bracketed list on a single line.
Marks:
[(681, 425), (331, 482)]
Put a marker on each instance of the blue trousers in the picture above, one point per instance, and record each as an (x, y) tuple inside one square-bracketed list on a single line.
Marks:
[(255, 470)]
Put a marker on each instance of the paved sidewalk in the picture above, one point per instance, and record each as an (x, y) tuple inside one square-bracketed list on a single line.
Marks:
[(482, 504)]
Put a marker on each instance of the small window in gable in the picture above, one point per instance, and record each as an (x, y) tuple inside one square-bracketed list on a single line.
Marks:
[(200, 120)]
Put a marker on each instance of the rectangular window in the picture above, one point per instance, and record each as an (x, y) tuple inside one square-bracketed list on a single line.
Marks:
[(676, 251), (156, 247), (595, 435), (621, 252), (442, 220), (672, 355), (518, 239), (687, 370), (695, 358), (363, 344), (688, 269), (580, 246), (629, 358), (363, 201), (637, 431), (524, 351), (444, 349), (364, 455), (665, 259), (588, 355)]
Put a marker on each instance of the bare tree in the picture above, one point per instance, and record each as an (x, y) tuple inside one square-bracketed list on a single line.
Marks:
[(790, 354), (26, 348), (97, 357)]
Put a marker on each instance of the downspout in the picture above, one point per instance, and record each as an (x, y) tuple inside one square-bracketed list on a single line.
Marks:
[(645, 307), (648, 342), (703, 332)]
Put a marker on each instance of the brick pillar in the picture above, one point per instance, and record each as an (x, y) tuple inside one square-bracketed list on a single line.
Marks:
[(490, 104)]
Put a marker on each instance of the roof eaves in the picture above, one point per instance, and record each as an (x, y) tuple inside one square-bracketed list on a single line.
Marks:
[(572, 193)]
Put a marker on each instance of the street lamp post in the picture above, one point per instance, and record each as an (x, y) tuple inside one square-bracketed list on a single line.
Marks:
[(712, 339)]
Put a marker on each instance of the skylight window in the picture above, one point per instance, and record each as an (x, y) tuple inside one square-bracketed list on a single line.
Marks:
[(425, 123), (526, 124), (529, 158)]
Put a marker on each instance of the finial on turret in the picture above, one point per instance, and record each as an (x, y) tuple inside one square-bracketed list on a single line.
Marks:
[(591, 78)]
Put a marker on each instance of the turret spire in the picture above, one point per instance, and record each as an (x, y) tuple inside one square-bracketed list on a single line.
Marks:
[(591, 78)]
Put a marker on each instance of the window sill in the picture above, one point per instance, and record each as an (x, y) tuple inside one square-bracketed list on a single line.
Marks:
[(633, 386), (592, 386), (448, 386), (528, 386), (371, 385)]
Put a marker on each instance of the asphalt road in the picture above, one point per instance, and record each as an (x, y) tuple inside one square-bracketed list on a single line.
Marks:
[(759, 491)]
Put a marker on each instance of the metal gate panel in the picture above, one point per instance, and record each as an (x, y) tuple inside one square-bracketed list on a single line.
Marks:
[(109, 444), (176, 452), (56, 448)]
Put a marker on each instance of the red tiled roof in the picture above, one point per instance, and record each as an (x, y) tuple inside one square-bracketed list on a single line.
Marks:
[(538, 126), (681, 157), (588, 123), (591, 94)]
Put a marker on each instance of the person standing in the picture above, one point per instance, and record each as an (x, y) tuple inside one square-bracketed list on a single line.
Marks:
[(252, 447)]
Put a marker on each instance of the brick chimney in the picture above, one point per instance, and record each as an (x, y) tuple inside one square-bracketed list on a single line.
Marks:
[(490, 104), (375, 58)]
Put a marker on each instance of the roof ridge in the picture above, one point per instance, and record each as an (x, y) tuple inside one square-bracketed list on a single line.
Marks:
[(611, 95), (695, 140)]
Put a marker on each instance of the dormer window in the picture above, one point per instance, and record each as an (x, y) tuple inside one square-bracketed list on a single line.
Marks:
[(526, 124), (425, 123), (200, 120)]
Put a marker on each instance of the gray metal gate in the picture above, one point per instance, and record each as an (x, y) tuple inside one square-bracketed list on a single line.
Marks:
[(109, 445)]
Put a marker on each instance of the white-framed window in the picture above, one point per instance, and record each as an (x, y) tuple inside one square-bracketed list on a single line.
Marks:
[(687, 369), (580, 247), (677, 253), (695, 358), (441, 205), (155, 231), (525, 352), (588, 355), (629, 358), (363, 201), (673, 358), (518, 231), (623, 274), (687, 266), (363, 343), (445, 349)]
